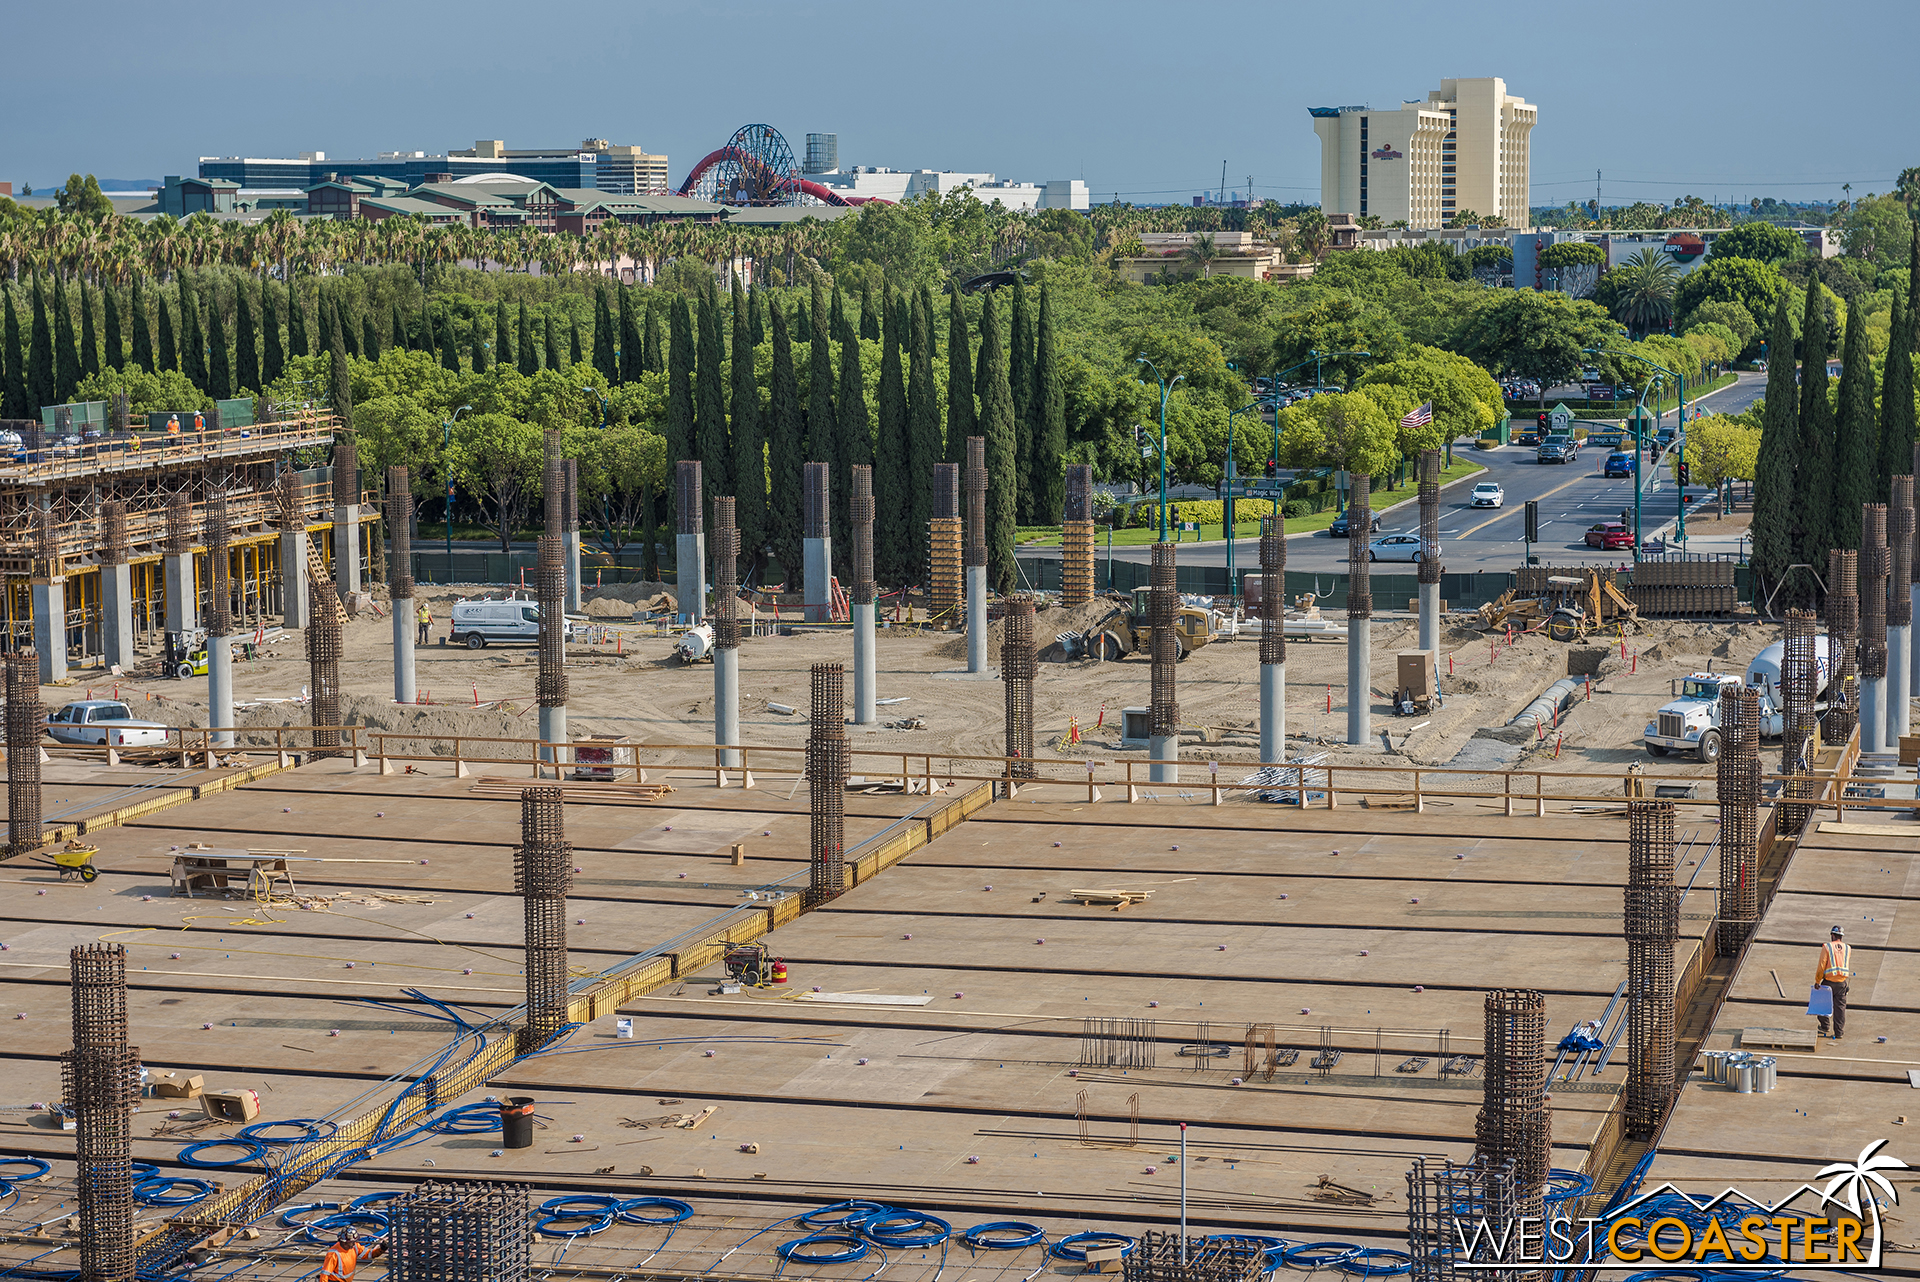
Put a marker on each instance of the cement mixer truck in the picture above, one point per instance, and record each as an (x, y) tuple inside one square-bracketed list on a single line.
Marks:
[(1690, 722)]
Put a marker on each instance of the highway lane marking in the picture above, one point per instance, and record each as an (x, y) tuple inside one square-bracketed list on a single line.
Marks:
[(1512, 511)]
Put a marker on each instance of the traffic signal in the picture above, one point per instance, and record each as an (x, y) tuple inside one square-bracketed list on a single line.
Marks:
[(1682, 471), (1533, 521), (1545, 420), (1273, 468)]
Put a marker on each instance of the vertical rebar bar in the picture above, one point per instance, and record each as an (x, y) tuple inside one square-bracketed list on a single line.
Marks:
[(817, 511), (1652, 924), (1799, 687), (1514, 1124), (827, 758), (543, 874), (1843, 634), (1739, 797), (346, 472), (25, 724), (456, 1231), (1900, 530), (1017, 671), (976, 553), (687, 500), (114, 546), (346, 513), (817, 545), (1076, 538), (102, 1083), (179, 524), (689, 544), (323, 678)]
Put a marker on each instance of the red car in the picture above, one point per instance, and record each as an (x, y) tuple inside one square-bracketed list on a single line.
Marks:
[(1609, 535)]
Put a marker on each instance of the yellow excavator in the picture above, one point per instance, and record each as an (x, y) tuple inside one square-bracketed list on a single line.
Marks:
[(1126, 631)]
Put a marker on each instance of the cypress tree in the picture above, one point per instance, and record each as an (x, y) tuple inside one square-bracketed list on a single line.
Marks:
[(1020, 380), (1775, 472), (550, 333), (892, 484), (339, 372), (756, 324), (652, 359), (869, 317), (397, 336), (527, 357), (785, 511), (632, 351), (1896, 395), (476, 347), (604, 359), (297, 323), (1857, 447), (246, 350), (142, 333), (89, 342), (749, 461), (837, 323), (8, 359), (996, 424), (66, 353), (961, 416), (1813, 488), (42, 389), (116, 357), (168, 358), (1049, 411), (219, 363), (820, 417), (926, 305), (273, 357), (369, 336), (711, 446), (575, 352), (680, 359), (502, 334), (15, 391), (343, 316), (853, 444), (449, 354), (193, 339), (649, 533), (802, 323), (923, 431), (424, 340)]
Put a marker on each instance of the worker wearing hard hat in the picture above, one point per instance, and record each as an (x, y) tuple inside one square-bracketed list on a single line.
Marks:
[(424, 617), (1834, 970), (344, 1256)]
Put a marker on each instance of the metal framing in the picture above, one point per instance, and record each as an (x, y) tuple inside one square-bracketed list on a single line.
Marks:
[(400, 527), (323, 677), (454, 1231), (550, 685), (1169, 1257), (1359, 534), (1843, 633), (1874, 567), (817, 511), (24, 727), (1444, 1197), (1273, 590), (1429, 568), (827, 758), (1017, 671), (687, 497), (860, 517), (114, 548), (179, 524), (101, 1076), (219, 568), (1652, 927), (1108, 1041), (570, 505), (1739, 795), (1076, 537), (542, 876), (1900, 530), (726, 581), (346, 472), (976, 549), (1799, 685), (1163, 711), (1514, 1124)]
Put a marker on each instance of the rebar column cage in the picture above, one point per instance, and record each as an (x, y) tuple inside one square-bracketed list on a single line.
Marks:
[(346, 472), (1076, 538), (1900, 530), (101, 1078), (219, 571), (976, 550), (1110, 1041), (1874, 565), (1514, 1125), (1359, 535), (1739, 796), (860, 519), (817, 513), (114, 545), (24, 727), (457, 1231), (323, 678), (550, 583), (686, 495), (400, 531), (570, 507), (1799, 685), (179, 524), (46, 542), (1843, 634), (1429, 568), (943, 544), (726, 575), (1163, 601), (1168, 1257), (1273, 590), (542, 876), (1445, 1197), (286, 493), (1017, 671), (1652, 925), (827, 758)]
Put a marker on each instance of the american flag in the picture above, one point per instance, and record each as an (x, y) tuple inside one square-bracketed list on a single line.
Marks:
[(1420, 417)]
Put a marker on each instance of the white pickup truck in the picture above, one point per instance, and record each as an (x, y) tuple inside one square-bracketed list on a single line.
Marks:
[(104, 721), (1690, 722)]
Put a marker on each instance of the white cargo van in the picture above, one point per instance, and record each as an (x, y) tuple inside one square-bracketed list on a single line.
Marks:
[(487, 622)]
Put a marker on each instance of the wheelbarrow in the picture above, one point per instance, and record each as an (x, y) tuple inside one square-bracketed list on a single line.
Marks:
[(76, 860)]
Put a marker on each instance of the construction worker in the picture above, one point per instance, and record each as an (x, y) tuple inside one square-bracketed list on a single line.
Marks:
[(1834, 970), (424, 617), (344, 1256)]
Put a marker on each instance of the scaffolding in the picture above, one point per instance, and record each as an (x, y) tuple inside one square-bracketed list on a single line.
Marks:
[(456, 1231), (101, 1077), (1739, 797), (827, 758), (1076, 537), (944, 588), (1359, 535), (24, 728), (1652, 927), (542, 876), (1514, 1125), (1017, 671), (1163, 604), (1799, 687)]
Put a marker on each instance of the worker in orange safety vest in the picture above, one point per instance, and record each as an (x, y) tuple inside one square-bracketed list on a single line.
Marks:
[(1834, 970), (344, 1256)]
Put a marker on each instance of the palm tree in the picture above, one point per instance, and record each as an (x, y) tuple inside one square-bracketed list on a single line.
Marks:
[(1644, 299), (1197, 258), (1907, 187), (1862, 1176)]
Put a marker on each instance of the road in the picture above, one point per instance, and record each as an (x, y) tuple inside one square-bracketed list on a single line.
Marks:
[(1572, 497)]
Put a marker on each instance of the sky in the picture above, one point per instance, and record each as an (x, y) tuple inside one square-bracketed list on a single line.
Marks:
[(1714, 99)]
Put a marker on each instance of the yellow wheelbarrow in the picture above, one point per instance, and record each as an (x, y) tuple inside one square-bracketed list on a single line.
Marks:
[(76, 860)]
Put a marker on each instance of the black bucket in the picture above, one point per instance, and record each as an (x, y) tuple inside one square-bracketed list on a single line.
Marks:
[(516, 1121)]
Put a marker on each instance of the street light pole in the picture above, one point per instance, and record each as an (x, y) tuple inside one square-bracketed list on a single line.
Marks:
[(1166, 390)]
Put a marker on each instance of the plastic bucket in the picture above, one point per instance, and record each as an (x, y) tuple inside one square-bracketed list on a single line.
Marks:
[(516, 1121)]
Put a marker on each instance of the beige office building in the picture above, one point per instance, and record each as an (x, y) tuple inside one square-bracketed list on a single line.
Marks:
[(1464, 149)]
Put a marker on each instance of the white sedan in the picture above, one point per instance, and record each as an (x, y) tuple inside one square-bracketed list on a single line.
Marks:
[(1396, 547), (1489, 494)]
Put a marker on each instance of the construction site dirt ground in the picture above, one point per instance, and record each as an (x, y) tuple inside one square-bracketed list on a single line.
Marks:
[(631, 686)]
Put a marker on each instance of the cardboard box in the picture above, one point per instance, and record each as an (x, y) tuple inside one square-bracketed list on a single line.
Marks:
[(1104, 1259), (1413, 605), (1416, 673), (173, 1086), (231, 1106)]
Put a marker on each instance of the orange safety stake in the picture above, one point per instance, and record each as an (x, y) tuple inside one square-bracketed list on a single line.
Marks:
[(1329, 698), (1557, 741)]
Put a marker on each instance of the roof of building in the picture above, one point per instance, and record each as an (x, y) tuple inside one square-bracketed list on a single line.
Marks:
[(342, 184), (776, 215), (586, 198), (410, 205)]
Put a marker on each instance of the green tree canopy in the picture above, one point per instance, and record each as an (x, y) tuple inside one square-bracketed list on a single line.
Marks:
[(1763, 241), (1345, 430), (1572, 253), (1755, 285)]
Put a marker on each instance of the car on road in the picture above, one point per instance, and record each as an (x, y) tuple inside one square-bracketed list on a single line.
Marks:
[(1489, 494), (1620, 463), (1608, 535), (1557, 449), (1338, 529), (1396, 547)]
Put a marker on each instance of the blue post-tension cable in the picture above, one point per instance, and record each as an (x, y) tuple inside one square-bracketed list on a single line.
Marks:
[(296, 1217), (320, 1231), (848, 1215), (676, 1210), (1074, 1245), (903, 1228), (372, 1200), (1319, 1255), (1004, 1235), (1376, 1262), (311, 1128), (823, 1248), (165, 1191), (254, 1151)]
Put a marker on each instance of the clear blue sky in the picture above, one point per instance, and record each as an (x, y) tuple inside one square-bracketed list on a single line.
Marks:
[(1715, 98)]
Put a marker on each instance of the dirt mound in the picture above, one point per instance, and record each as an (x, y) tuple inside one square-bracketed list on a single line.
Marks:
[(1049, 621)]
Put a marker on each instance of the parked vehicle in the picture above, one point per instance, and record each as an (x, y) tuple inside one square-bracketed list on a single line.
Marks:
[(1608, 535), (1489, 494), (1339, 527), (1557, 449), (104, 721), (1396, 547), (493, 621), (1690, 722), (1621, 463)]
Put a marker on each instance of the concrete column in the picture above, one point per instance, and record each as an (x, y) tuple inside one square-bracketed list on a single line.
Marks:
[(690, 559), (50, 628), (726, 703), (976, 618), (116, 614), (183, 604), (553, 729), (1273, 712), (1899, 687), (1359, 680), (571, 553), (1913, 653), (404, 688), (1873, 714), (1430, 618), (863, 666), (293, 582), (1164, 749), (346, 549), (220, 688), (817, 555)]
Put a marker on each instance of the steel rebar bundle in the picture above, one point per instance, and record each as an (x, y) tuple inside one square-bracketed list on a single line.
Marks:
[(1900, 532), (1168, 1257), (726, 582), (817, 518), (550, 685), (114, 545), (219, 568), (542, 876), (687, 500), (400, 525), (1359, 535), (346, 472), (1514, 1124), (860, 518), (944, 575), (456, 1231), (1017, 671), (101, 1077), (1076, 538), (827, 758), (1116, 1042), (24, 727), (1739, 796), (976, 552), (179, 524), (1429, 516), (1163, 603), (1874, 566), (323, 678), (1446, 1202), (1799, 687), (1843, 634), (1273, 590), (1652, 926)]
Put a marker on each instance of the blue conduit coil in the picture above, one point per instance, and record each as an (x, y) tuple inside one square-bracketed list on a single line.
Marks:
[(839, 1248), (294, 1216), (1376, 1262), (312, 1128), (144, 1171), (159, 1191), (589, 1222), (322, 1231), (468, 1119), (372, 1199), (903, 1228), (35, 1169), (850, 1215), (580, 1206), (1319, 1255), (1074, 1245), (675, 1209), (1023, 1235), (190, 1155)]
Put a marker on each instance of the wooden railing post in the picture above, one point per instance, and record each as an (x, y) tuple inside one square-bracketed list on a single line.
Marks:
[(1539, 795), (1419, 802), (1506, 792)]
